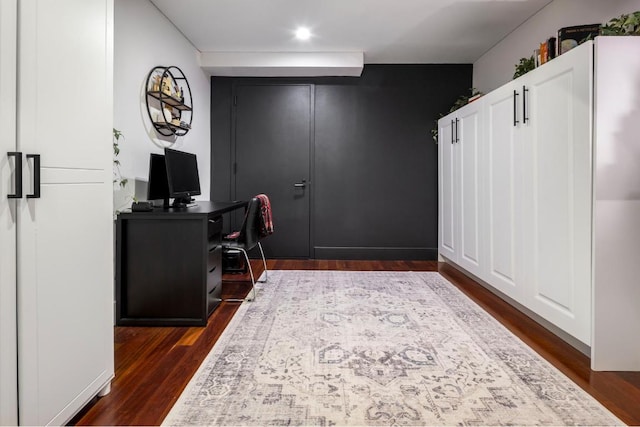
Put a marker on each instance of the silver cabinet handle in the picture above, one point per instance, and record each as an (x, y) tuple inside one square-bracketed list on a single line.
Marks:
[(299, 185)]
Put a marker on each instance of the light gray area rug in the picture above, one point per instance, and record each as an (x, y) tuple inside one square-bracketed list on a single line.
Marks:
[(375, 348)]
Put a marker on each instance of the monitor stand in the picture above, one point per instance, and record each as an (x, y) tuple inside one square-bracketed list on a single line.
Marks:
[(182, 202)]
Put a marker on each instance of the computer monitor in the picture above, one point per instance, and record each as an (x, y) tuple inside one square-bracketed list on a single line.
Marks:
[(182, 176), (158, 186)]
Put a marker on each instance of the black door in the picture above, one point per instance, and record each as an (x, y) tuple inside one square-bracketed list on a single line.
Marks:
[(272, 156)]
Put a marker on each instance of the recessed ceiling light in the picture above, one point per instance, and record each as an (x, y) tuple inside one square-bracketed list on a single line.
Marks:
[(303, 33)]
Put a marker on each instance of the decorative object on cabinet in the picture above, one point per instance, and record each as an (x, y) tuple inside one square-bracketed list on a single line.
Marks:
[(624, 25), (546, 52), (168, 98), (524, 66), (570, 37), (460, 102)]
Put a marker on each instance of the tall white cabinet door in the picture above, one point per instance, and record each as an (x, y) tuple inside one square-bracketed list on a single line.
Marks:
[(468, 146), (8, 337), (447, 214), (503, 178), (65, 257), (557, 202)]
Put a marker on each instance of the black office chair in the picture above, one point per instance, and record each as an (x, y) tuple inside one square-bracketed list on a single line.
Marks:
[(246, 239)]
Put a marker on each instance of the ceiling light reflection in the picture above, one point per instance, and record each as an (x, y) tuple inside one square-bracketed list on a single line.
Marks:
[(303, 33)]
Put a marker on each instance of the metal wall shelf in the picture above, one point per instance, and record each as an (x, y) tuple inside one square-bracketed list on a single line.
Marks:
[(168, 91)]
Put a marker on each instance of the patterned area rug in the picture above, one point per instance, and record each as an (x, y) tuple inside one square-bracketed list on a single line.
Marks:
[(375, 348)]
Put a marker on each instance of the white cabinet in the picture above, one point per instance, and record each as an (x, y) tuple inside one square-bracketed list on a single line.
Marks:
[(459, 136), (559, 226), (538, 174), (537, 214), (62, 241)]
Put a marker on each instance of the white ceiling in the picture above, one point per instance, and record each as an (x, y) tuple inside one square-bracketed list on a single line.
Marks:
[(385, 31)]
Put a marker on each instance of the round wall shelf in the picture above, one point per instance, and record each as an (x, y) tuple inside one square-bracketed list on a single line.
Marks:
[(168, 99)]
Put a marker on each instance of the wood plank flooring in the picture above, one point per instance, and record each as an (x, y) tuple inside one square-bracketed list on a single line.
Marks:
[(153, 365)]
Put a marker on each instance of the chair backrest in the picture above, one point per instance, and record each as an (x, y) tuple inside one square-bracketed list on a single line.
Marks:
[(250, 231)]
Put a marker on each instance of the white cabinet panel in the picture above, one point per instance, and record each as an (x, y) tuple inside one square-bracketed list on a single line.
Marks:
[(8, 337), (446, 193), (460, 186), (502, 174), (557, 202), (65, 307), (470, 185), (616, 293)]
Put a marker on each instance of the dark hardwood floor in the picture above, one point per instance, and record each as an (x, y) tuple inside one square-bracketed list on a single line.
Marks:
[(153, 365)]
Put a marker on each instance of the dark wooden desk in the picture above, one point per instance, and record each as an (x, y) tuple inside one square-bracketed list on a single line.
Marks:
[(169, 264)]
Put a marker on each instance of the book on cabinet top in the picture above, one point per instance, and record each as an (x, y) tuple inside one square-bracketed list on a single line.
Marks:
[(570, 37)]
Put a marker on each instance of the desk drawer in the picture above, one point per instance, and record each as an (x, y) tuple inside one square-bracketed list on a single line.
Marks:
[(214, 260), (214, 276), (214, 295), (214, 226), (213, 243), (214, 286)]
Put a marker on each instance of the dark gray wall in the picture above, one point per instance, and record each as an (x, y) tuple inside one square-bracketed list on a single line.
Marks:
[(374, 169)]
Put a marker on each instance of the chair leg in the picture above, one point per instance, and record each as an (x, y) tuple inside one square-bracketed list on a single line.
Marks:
[(264, 261), (253, 282)]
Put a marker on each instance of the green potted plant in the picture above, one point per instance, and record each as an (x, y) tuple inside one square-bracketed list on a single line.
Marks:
[(524, 66), (121, 199), (118, 180), (624, 25), (460, 102)]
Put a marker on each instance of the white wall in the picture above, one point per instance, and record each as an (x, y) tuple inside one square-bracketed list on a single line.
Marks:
[(496, 67), (144, 38)]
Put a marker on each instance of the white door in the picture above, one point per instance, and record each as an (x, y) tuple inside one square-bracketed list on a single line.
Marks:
[(65, 288), (503, 178), (8, 337), (557, 202), (446, 188), (469, 188)]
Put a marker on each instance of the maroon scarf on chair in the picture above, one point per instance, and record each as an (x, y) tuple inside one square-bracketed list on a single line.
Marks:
[(266, 220)]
